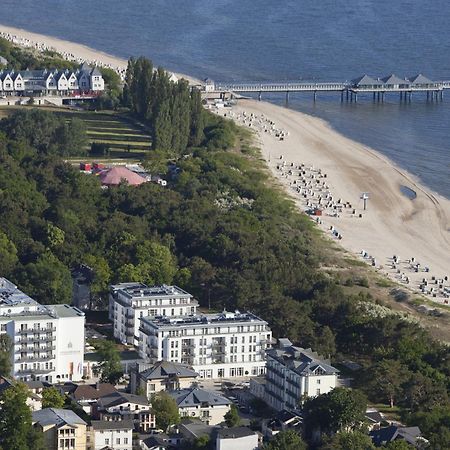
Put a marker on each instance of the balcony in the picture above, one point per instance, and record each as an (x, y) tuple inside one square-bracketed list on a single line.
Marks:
[(35, 358), (27, 340), (129, 332), (34, 371), (25, 349), (35, 330)]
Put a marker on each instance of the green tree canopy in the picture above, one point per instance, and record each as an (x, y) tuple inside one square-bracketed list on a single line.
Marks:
[(51, 398), (165, 409), (286, 440), (232, 418), (8, 255), (6, 348), (109, 367), (354, 440)]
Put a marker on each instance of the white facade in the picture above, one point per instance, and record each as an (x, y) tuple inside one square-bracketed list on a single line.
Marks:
[(130, 301), (225, 345), (294, 373), (48, 340), (51, 81), (116, 435), (237, 439)]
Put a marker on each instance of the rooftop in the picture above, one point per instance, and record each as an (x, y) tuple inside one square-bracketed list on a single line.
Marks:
[(135, 290), (166, 369), (58, 417), (112, 424), (192, 397), (235, 433), (203, 319), (118, 398)]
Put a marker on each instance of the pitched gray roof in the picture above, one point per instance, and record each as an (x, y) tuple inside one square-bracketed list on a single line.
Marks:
[(58, 417), (389, 434), (420, 79), (302, 361), (119, 398), (196, 396), (365, 80), (112, 424), (394, 79), (166, 369)]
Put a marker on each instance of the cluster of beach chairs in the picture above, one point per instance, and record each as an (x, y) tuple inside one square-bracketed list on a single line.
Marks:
[(41, 47)]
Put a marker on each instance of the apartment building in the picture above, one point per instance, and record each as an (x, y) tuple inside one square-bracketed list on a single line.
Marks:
[(128, 302), (294, 373), (48, 340), (117, 435), (215, 345), (51, 81)]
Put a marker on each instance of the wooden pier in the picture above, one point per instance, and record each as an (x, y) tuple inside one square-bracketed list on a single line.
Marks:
[(348, 91)]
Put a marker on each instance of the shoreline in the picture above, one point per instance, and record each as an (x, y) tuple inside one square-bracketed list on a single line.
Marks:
[(415, 230)]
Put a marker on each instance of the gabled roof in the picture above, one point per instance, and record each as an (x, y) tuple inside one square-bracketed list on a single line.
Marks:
[(85, 67), (96, 72), (57, 417), (389, 434), (365, 80), (5, 384), (166, 369), (304, 362), (93, 391), (394, 79), (119, 398), (420, 79), (186, 398)]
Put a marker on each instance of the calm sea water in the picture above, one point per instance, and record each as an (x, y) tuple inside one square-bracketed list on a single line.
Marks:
[(267, 40)]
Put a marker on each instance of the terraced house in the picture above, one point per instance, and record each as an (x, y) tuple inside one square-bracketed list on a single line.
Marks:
[(85, 79)]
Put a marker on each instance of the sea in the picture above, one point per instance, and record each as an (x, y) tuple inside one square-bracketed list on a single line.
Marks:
[(285, 40)]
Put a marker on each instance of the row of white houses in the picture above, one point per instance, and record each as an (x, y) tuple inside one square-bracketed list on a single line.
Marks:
[(47, 81)]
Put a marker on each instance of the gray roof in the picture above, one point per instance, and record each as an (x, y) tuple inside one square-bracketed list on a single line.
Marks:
[(391, 433), (302, 361), (235, 433), (394, 79), (58, 417), (365, 80), (112, 424), (3, 61), (166, 369), (186, 398), (420, 79), (96, 72), (119, 398)]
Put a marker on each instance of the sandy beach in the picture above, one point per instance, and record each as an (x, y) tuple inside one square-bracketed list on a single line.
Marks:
[(313, 161), (408, 240)]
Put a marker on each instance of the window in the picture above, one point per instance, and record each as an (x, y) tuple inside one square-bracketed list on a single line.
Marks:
[(318, 381), (106, 441), (125, 440), (118, 441), (318, 392)]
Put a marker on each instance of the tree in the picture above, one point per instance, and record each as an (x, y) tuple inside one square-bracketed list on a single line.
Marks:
[(158, 265), (345, 441), (101, 274), (232, 418), (341, 409), (16, 431), (109, 367), (401, 445), (51, 398), (6, 348), (165, 410), (8, 255), (387, 378), (286, 440)]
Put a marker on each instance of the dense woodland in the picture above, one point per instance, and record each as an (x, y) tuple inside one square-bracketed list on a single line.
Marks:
[(219, 230)]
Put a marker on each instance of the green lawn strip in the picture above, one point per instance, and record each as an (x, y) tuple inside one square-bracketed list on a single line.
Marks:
[(120, 136)]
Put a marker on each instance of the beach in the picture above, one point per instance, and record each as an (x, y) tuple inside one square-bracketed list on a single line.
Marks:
[(406, 239)]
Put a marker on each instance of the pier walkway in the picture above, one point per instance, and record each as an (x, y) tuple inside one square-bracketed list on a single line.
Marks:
[(349, 91)]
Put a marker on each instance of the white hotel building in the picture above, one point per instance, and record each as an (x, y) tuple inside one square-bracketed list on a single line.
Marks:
[(222, 345), (294, 373), (128, 302), (48, 340)]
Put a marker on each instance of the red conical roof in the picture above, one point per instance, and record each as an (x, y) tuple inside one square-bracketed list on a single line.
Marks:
[(120, 174)]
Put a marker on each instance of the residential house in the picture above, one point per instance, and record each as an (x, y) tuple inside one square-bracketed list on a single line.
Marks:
[(122, 406), (238, 438), (87, 395), (225, 345), (207, 406), (62, 428), (115, 434), (294, 373), (284, 420), (411, 435), (130, 301), (42, 347), (161, 376)]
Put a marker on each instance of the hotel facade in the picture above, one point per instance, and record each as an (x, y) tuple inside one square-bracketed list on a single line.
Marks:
[(128, 302), (225, 345), (48, 340)]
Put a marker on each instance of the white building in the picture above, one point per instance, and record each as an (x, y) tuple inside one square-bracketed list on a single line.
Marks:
[(48, 340), (207, 406), (117, 435), (294, 373), (130, 301), (216, 345), (45, 81), (239, 438)]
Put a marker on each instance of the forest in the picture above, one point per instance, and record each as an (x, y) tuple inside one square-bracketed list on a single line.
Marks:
[(220, 230)]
